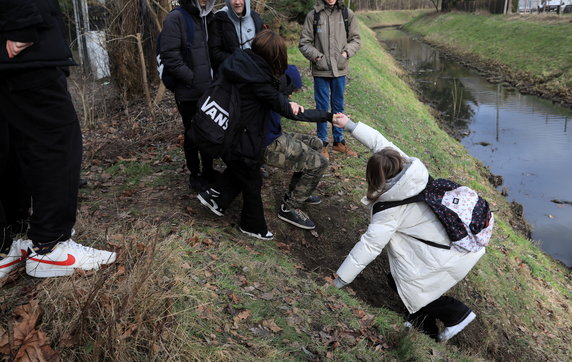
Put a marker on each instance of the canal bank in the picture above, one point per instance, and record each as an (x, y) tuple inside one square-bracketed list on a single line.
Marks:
[(521, 138), (513, 279), (532, 52)]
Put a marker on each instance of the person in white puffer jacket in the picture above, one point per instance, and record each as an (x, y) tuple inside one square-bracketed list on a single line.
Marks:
[(420, 273)]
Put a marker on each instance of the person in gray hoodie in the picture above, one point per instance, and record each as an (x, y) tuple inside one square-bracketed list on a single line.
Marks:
[(192, 71), (234, 27)]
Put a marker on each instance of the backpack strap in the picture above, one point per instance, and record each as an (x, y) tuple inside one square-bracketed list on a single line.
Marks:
[(345, 16), (380, 206)]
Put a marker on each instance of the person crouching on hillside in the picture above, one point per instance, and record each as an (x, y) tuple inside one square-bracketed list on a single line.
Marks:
[(420, 272), (256, 71)]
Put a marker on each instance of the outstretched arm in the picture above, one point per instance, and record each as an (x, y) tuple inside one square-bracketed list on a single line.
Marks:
[(368, 136)]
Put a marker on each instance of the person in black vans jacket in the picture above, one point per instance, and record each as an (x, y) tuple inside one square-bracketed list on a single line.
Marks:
[(234, 27), (192, 71), (40, 142), (256, 71)]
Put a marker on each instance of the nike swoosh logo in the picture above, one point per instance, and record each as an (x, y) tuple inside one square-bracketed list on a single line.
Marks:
[(16, 261), (69, 261)]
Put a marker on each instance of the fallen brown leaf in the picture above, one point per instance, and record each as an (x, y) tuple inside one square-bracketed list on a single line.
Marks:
[(270, 324)]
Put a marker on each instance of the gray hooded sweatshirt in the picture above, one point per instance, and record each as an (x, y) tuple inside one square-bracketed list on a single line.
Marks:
[(243, 23)]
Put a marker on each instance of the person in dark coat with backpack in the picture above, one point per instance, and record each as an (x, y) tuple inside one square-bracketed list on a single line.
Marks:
[(192, 72), (256, 71), (420, 273), (234, 27)]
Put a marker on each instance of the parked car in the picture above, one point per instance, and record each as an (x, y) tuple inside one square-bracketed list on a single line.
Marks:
[(559, 6)]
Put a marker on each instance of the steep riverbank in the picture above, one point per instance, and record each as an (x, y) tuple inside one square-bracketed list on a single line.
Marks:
[(189, 286), (532, 52)]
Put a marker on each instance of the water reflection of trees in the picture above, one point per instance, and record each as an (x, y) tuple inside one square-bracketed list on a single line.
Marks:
[(448, 95), (438, 80)]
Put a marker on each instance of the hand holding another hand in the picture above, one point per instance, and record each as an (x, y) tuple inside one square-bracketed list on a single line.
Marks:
[(340, 120), (296, 108)]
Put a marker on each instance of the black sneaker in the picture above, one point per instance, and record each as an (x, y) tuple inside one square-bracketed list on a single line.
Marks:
[(295, 217), (208, 198), (267, 236), (313, 200)]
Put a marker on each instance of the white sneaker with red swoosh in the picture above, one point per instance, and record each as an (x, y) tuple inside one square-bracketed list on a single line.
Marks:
[(18, 252), (65, 257)]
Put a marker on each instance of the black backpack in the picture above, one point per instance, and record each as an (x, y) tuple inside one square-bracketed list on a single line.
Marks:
[(465, 215), (167, 78), (217, 118)]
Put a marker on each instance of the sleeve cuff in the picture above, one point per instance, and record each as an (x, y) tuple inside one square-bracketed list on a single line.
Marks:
[(339, 283), (350, 126)]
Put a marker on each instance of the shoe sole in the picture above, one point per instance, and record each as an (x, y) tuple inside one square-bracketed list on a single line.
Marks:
[(313, 202), (258, 236), (458, 328), (204, 202), (305, 227)]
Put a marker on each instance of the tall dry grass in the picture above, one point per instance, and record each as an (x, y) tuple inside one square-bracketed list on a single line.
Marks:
[(123, 312)]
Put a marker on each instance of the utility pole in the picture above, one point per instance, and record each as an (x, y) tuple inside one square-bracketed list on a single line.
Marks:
[(81, 16)]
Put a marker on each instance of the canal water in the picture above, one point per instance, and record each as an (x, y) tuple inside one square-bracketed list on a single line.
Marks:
[(523, 138)]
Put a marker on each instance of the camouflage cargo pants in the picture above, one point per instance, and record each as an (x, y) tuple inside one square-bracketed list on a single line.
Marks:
[(301, 154)]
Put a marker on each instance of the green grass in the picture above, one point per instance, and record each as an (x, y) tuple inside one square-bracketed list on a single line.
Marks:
[(514, 275), (191, 287), (540, 46), (390, 18)]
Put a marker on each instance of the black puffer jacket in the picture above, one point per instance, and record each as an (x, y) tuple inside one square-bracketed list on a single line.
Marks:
[(37, 21), (193, 75), (258, 96), (223, 40)]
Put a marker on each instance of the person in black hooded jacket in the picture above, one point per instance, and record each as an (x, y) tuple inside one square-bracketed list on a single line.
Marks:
[(191, 68), (256, 71), (234, 27)]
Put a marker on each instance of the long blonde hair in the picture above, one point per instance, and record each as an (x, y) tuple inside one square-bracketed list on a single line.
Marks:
[(382, 166)]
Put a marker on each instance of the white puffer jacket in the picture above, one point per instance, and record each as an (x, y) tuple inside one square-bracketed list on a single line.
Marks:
[(422, 272)]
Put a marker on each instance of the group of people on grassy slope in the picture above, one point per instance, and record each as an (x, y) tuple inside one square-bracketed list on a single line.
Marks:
[(421, 273), (40, 143)]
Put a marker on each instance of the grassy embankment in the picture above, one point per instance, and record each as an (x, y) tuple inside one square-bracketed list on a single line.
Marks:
[(390, 18), (522, 295), (188, 286), (533, 52)]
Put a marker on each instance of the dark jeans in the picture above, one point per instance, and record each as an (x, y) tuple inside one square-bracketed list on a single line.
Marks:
[(240, 178), (448, 310), (41, 134), (329, 92), (187, 109)]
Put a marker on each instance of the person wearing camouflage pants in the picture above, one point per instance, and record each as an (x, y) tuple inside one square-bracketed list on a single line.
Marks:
[(300, 153)]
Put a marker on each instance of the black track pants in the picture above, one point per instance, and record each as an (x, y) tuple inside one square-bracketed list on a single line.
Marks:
[(448, 310), (41, 133)]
